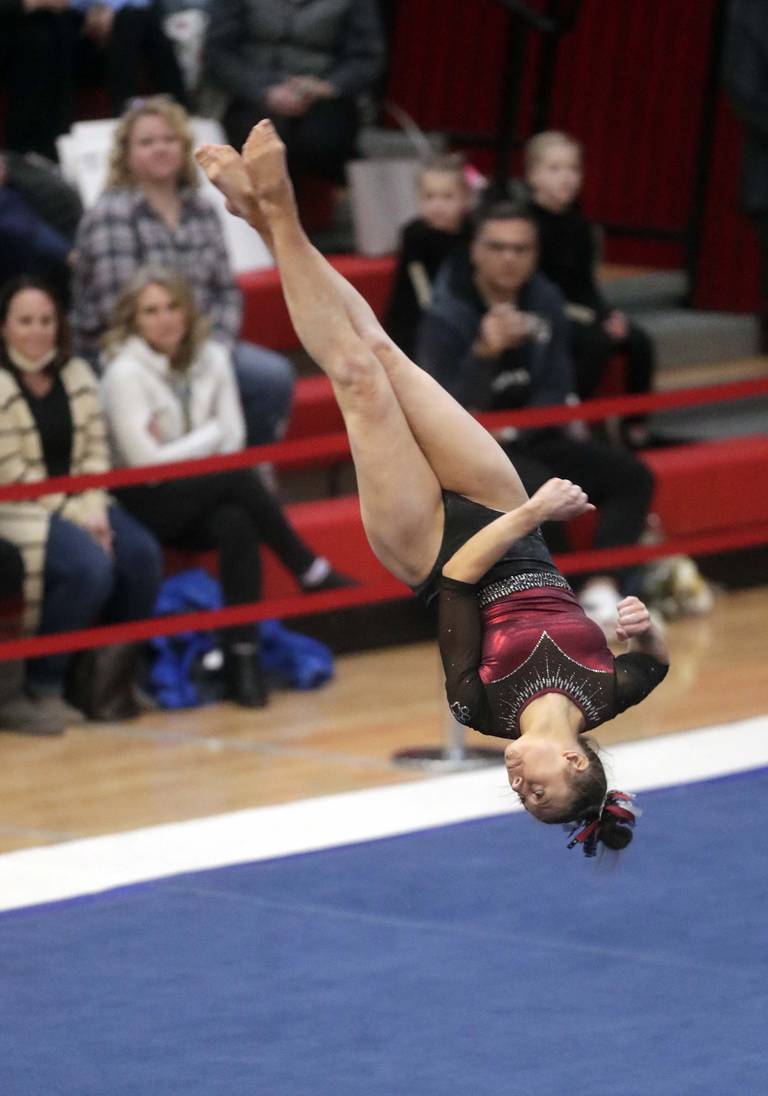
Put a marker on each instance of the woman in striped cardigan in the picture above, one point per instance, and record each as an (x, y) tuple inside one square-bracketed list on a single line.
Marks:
[(85, 559)]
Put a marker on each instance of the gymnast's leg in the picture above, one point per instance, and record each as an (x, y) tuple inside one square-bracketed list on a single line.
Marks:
[(400, 496), (326, 311), (462, 454)]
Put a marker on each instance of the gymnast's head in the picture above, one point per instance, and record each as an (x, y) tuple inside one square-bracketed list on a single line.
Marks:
[(565, 783)]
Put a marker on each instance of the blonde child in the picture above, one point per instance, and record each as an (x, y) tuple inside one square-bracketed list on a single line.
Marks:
[(554, 169), (445, 200)]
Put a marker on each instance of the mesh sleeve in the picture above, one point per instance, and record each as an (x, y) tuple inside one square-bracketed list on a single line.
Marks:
[(460, 640), (636, 676)]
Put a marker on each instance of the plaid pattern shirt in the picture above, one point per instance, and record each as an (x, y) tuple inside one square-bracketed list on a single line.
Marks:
[(121, 233)]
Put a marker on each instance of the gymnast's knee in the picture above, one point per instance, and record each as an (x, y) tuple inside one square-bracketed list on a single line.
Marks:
[(357, 373), (376, 339)]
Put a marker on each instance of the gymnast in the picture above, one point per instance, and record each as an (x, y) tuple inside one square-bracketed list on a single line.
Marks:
[(445, 511)]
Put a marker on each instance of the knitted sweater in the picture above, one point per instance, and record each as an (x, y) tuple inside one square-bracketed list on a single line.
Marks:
[(26, 523)]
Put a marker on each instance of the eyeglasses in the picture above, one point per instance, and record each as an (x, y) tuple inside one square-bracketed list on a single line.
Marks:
[(500, 246)]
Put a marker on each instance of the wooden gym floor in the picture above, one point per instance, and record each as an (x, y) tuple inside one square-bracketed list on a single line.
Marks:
[(102, 778), (167, 767)]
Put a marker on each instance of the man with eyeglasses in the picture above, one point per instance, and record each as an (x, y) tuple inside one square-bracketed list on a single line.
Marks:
[(496, 337)]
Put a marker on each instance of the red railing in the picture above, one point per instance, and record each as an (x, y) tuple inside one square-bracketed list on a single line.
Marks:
[(335, 447)]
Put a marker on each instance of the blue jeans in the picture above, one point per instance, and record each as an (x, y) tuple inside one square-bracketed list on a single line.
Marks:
[(265, 381), (83, 586)]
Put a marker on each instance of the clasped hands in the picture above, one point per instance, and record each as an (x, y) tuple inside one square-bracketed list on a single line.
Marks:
[(503, 327), (294, 96)]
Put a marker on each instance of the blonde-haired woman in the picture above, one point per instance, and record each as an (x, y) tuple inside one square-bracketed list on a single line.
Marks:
[(152, 212), (169, 394)]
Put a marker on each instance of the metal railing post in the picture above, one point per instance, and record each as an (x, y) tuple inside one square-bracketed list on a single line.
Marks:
[(453, 755)]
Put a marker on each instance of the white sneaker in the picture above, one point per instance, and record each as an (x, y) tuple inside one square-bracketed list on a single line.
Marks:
[(599, 600)]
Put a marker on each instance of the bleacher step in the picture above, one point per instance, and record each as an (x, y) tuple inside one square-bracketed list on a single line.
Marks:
[(687, 337), (736, 418), (655, 289)]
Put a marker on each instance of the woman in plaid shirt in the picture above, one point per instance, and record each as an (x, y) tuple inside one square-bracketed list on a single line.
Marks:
[(151, 212)]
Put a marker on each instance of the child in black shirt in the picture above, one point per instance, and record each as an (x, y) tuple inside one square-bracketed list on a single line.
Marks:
[(445, 200), (567, 255)]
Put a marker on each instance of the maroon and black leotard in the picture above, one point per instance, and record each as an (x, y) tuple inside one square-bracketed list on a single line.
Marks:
[(505, 643), (521, 633)]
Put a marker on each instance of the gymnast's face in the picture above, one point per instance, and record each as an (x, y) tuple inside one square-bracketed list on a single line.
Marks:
[(160, 319), (539, 773)]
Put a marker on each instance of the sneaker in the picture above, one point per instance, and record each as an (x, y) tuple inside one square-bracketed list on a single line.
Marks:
[(322, 576), (334, 580), (599, 600), (20, 715)]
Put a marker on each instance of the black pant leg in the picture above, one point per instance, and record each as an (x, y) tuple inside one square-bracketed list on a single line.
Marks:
[(178, 513), (641, 359), (136, 37), (619, 484), (233, 534), (325, 138), (39, 72), (11, 608), (319, 143), (122, 55), (11, 570), (534, 472), (162, 65), (238, 119), (591, 349)]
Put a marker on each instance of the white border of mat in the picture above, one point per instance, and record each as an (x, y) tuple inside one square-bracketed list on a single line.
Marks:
[(53, 872)]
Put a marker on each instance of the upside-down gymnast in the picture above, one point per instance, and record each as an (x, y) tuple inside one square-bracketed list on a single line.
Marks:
[(445, 511)]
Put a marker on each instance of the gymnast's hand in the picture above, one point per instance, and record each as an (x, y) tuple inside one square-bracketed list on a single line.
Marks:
[(560, 500), (632, 619)]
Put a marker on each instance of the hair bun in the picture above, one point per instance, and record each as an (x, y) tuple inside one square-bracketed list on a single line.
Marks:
[(613, 833), (612, 825)]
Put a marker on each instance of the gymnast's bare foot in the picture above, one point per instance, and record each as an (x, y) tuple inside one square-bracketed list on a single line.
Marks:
[(226, 170), (264, 157)]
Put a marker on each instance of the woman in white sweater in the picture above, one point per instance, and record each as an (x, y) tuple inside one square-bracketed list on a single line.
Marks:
[(170, 394)]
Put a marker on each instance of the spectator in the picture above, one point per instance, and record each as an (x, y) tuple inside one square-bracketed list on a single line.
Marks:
[(127, 38), (445, 200), (567, 256), (19, 714), (169, 394), (85, 559), (46, 45), (39, 213), (496, 336), (151, 212), (303, 65)]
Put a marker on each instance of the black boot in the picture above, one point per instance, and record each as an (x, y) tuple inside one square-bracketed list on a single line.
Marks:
[(19, 714), (247, 683), (102, 682)]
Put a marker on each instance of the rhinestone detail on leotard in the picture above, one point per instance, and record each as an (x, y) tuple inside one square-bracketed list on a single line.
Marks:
[(549, 669), (514, 584)]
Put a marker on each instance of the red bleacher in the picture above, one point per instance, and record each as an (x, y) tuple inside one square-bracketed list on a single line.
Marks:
[(701, 488), (266, 318), (704, 488)]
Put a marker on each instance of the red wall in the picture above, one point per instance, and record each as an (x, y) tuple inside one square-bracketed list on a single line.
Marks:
[(728, 274), (629, 83)]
